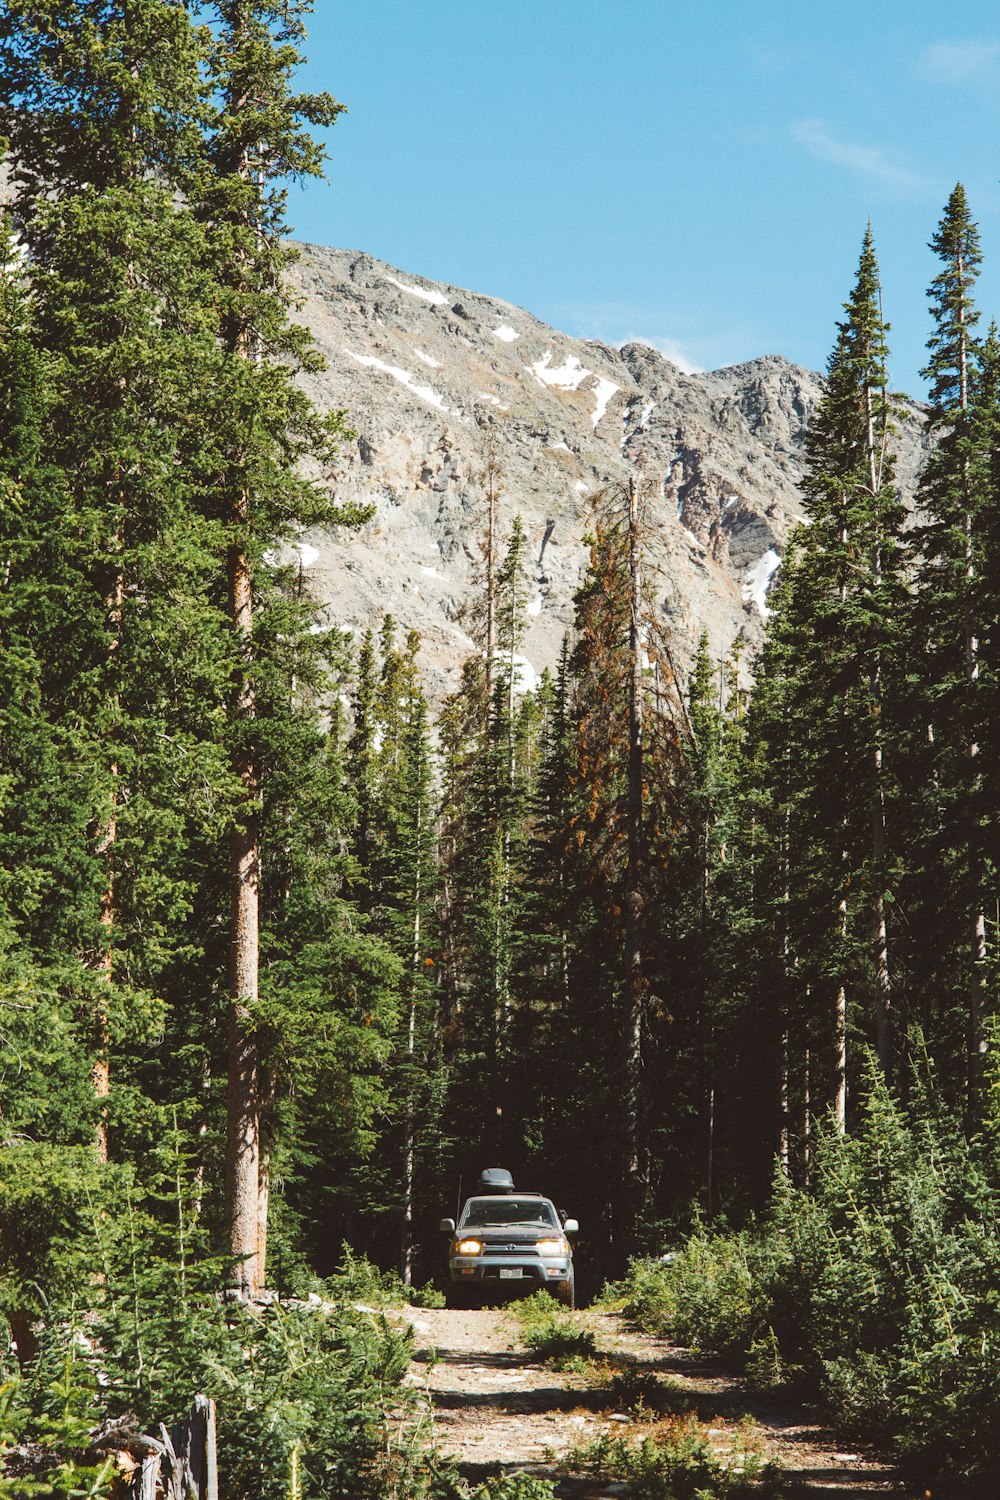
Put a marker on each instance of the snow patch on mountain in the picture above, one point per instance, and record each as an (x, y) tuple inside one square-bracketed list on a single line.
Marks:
[(569, 376), (525, 675), (437, 299), (605, 390), (425, 392), (758, 580)]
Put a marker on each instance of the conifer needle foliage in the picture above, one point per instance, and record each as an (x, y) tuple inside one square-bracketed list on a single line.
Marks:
[(290, 951)]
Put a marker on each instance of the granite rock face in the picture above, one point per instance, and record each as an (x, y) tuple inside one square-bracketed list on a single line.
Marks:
[(428, 372)]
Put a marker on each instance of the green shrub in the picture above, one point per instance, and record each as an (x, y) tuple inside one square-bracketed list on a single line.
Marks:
[(425, 1296), (552, 1334), (560, 1344), (873, 1294), (358, 1280), (307, 1385), (633, 1389), (703, 1297), (678, 1465), (517, 1486)]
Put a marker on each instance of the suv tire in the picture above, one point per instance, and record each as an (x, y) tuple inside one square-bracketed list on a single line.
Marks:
[(566, 1293)]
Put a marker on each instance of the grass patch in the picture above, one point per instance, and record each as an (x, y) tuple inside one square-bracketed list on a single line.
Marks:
[(680, 1463)]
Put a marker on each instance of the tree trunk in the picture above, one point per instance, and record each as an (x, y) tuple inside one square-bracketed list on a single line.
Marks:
[(784, 1106), (105, 851), (977, 972), (247, 1234), (243, 1121), (884, 1020), (409, 1133), (491, 479), (101, 1071), (632, 1164), (885, 1029), (263, 1204), (840, 1061)]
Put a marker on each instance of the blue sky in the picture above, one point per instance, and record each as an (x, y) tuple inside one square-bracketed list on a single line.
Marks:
[(695, 175)]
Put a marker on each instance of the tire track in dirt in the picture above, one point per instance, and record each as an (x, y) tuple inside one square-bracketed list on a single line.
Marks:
[(496, 1407)]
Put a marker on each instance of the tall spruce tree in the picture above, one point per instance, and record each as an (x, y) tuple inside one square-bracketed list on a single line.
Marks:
[(258, 138), (954, 491), (826, 704), (392, 769), (623, 818), (101, 146)]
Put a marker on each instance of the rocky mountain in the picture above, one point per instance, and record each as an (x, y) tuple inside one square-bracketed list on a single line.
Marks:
[(426, 371)]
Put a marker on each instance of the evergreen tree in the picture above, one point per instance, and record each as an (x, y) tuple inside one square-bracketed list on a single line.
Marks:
[(623, 819), (258, 138), (826, 705), (483, 753), (698, 930), (119, 304), (954, 491), (392, 772)]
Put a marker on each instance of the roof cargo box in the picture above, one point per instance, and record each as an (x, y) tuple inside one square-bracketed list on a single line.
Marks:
[(496, 1180)]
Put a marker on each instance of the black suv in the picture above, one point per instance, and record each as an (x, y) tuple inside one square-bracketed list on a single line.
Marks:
[(508, 1241)]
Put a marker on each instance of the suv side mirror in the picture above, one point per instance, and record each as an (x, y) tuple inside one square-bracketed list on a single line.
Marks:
[(446, 1226), (571, 1227)]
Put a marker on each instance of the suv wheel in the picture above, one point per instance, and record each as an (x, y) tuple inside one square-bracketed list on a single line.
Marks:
[(565, 1293), (456, 1295)]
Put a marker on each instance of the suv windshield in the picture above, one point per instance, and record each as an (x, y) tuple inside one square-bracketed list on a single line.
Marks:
[(494, 1213)]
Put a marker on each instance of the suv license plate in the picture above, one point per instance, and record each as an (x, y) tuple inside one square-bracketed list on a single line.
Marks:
[(511, 1273)]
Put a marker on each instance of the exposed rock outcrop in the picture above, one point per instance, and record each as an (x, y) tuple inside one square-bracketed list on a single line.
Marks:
[(425, 371)]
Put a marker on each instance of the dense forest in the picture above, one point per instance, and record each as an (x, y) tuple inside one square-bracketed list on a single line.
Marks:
[(287, 953)]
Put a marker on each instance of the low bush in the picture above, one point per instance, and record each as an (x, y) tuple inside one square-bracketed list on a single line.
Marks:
[(679, 1464), (552, 1334), (517, 1486), (126, 1316), (358, 1280), (632, 1389), (872, 1294)]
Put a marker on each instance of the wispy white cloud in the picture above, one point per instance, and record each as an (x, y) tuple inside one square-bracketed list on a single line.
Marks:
[(670, 349), (867, 161), (771, 60), (974, 61), (618, 323)]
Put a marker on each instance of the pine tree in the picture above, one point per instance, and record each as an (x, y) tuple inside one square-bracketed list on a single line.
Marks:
[(392, 772), (824, 708), (623, 817), (954, 490), (119, 302), (411, 888), (265, 425)]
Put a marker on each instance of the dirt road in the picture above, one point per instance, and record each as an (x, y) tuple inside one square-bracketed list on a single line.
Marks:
[(496, 1407)]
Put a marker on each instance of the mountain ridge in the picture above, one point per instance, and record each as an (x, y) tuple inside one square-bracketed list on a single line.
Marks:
[(429, 373)]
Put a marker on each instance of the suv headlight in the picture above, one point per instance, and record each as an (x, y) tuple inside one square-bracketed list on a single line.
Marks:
[(467, 1247), (553, 1247)]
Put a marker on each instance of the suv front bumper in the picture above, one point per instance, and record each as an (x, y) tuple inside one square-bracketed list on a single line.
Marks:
[(512, 1269)]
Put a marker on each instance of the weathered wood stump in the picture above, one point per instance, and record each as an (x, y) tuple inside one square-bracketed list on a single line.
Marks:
[(180, 1464)]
